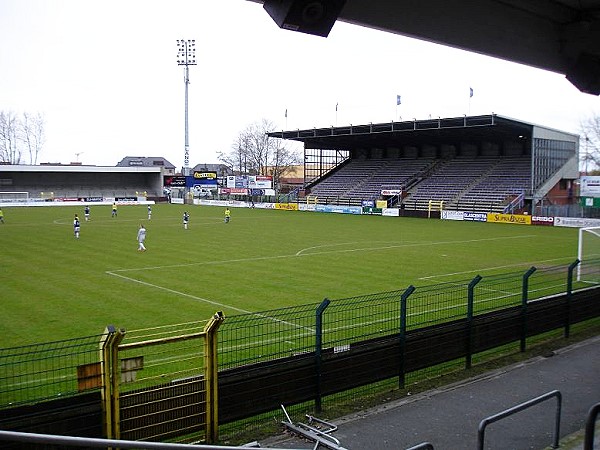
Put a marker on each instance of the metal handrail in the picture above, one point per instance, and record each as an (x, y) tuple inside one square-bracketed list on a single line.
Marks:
[(515, 409), (74, 441), (590, 425)]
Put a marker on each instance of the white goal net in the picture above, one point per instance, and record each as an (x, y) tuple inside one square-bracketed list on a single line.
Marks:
[(10, 197), (588, 253)]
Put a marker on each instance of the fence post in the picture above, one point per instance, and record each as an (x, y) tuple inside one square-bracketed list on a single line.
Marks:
[(524, 296), (569, 296), (107, 337), (471, 300), (318, 349), (111, 381), (211, 376), (402, 342)]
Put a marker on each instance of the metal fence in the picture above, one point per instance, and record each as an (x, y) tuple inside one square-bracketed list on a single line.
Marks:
[(51, 370), (156, 383)]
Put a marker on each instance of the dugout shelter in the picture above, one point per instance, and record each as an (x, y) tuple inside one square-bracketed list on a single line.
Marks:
[(479, 163)]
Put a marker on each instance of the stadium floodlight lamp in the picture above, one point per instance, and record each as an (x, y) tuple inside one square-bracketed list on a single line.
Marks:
[(186, 52), (186, 56)]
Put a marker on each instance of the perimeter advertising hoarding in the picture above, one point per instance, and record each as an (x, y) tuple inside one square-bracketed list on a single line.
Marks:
[(205, 179), (175, 181), (576, 222), (589, 186), (250, 181), (260, 182), (453, 215), (542, 220), (517, 219), (475, 217), (287, 206)]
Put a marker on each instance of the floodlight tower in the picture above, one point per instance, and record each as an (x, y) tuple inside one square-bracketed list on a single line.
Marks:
[(186, 56)]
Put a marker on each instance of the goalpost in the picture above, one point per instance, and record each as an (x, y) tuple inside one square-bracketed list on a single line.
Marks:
[(588, 252), (11, 197)]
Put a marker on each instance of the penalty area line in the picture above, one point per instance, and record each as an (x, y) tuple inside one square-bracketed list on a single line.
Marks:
[(173, 291), (507, 266), (204, 300)]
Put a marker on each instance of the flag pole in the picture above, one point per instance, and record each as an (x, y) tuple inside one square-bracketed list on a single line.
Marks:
[(336, 113)]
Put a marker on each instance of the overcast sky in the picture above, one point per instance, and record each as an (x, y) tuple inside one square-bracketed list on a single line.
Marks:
[(104, 75)]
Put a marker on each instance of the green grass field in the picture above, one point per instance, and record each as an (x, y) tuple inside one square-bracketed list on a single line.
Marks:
[(53, 286)]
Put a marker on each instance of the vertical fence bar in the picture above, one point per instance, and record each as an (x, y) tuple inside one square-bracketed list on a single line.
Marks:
[(211, 377), (569, 297), (113, 379), (402, 342), (107, 408), (524, 297), (318, 351), (470, 302)]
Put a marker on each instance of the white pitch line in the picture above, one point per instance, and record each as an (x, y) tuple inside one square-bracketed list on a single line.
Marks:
[(173, 291), (117, 273), (443, 275), (204, 300), (300, 254)]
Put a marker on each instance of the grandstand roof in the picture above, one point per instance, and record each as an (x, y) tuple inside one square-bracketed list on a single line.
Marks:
[(439, 131), (558, 35), (75, 169)]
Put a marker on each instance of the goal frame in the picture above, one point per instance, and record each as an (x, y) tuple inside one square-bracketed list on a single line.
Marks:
[(580, 248), (18, 196)]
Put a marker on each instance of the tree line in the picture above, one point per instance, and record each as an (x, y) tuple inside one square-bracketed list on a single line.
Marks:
[(22, 137), (254, 153), (589, 144)]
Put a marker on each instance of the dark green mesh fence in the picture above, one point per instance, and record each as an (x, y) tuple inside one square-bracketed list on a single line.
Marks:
[(33, 373), (266, 335)]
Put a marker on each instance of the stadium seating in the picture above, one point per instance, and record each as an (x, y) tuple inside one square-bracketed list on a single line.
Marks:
[(472, 184)]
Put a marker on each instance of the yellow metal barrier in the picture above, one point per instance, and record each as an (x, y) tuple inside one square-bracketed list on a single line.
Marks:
[(161, 383)]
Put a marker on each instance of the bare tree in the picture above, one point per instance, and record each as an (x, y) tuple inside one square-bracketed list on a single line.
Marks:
[(282, 161), (21, 136), (589, 144), (9, 138), (33, 135), (254, 153)]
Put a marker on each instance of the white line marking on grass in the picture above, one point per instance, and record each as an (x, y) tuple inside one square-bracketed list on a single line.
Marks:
[(173, 291), (117, 272), (204, 300), (507, 266), (300, 254)]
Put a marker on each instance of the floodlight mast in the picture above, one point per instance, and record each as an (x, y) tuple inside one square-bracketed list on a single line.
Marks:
[(186, 56)]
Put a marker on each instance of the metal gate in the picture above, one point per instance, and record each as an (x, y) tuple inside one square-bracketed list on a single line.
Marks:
[(161, 383)]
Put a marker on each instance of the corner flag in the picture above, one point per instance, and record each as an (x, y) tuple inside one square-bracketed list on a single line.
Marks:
[(470, 92), (398, 100)]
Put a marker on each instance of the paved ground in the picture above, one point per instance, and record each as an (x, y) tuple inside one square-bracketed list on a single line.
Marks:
[(449, 418)]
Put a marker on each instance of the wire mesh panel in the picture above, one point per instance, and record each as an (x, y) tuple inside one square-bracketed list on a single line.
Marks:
[(360, 318), (33, 373), (497, 292), (432, 304), (162, 389), (267, 335)]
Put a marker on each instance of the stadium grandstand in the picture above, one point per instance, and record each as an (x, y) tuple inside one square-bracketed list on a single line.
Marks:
[(486, 163), (77, 182)]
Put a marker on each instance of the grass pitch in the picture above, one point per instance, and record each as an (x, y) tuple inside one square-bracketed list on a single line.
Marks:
[(53, 286)]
